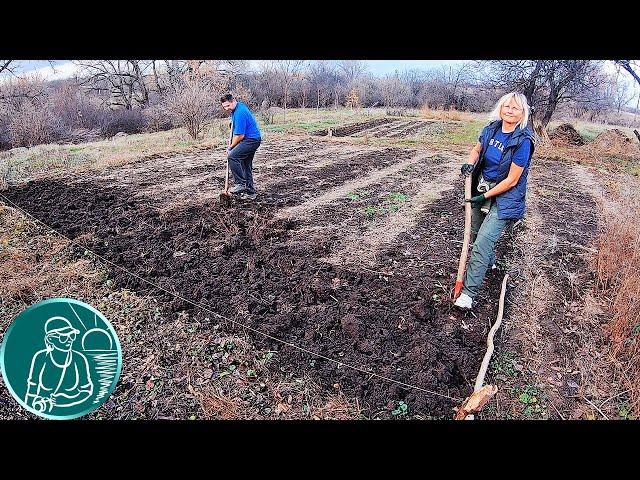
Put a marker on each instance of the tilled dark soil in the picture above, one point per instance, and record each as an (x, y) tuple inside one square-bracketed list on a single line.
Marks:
[(388, 128), (241, 263), (355, 127)]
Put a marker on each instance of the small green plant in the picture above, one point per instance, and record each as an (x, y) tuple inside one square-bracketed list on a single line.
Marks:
[(371, 211), (251, 373), (391, 204), (353, 196), (398, 197), (394, 201), (529, 395), (394, 208), (532, 398), (636, 329), (268, 356), (227, 372), (532, 410), (401, 409), (625, 412), (504, 364), (501, 264)]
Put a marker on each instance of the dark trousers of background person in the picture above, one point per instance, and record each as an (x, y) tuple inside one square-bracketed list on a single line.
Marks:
[(241, 163)]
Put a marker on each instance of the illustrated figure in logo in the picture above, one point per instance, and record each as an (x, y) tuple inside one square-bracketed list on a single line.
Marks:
[(59, 376)]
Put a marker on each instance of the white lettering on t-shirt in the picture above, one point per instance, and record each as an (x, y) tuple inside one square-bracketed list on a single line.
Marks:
[(497, 144)]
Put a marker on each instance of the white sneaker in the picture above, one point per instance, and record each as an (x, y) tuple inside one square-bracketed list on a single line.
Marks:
[(248, 196), (464, 301)]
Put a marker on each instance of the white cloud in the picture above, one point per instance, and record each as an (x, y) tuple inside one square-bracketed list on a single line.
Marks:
[(57, 72)]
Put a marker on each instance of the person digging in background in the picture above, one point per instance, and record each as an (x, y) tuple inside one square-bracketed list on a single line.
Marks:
[(245, 141), (499, 165)]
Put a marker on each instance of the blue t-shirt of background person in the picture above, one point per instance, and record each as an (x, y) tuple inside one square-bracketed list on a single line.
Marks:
[(244, 122), (494, 154)]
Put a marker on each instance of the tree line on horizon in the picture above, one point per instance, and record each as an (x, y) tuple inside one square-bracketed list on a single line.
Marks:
[(110, 96)]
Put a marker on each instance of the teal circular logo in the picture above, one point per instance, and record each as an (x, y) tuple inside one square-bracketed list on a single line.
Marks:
[(61, 358)]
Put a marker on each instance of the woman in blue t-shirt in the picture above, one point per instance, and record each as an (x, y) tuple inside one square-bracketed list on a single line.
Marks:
[(499, 165)]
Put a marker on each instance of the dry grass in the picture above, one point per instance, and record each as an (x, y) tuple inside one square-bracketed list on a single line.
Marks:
[(31, 265), (22, 164), (216, 404), (338, 407), (618, 274), (446, 114), (555, 324)]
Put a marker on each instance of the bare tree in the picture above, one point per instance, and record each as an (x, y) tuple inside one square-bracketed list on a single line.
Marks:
[(455, 77), (621, 93), (395, 92), (124, 80), (629, 67), (352, 70), (287, 70), (18, 90), (300, 89), (323, 76), (7, 65), (547, 83)]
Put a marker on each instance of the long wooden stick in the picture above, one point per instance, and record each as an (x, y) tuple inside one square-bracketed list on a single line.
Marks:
[(481, 395), (467, 237), (492, 332)]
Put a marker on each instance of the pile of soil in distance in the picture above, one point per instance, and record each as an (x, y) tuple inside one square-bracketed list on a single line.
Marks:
[(566, 134), (615, 141)]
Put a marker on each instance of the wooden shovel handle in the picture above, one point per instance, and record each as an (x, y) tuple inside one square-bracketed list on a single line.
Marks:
[(467, 237), (226, 177)]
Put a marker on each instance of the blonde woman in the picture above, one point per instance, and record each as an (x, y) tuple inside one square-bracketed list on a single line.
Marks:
[(499, 165)]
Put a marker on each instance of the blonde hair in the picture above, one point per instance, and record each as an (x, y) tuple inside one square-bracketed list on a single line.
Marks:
[(521, 101)]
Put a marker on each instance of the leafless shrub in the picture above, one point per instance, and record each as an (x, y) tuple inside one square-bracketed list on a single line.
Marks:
[(127, 121), (75, 109), (5, 140), (31, 125), (191, 105), (267, 116), (157, 118)]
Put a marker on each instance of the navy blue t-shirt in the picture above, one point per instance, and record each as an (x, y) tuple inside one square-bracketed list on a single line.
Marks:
[(494, 154), (244, 123)]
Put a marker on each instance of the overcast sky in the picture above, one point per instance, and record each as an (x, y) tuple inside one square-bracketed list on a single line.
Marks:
[(65, 68)]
